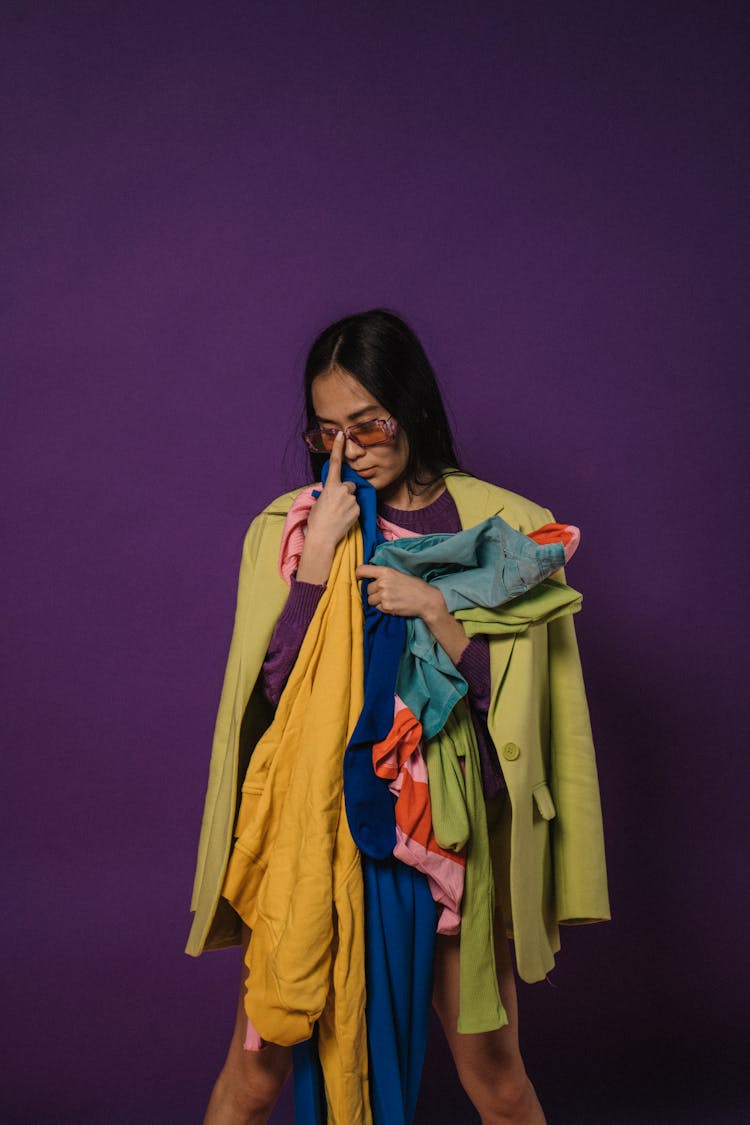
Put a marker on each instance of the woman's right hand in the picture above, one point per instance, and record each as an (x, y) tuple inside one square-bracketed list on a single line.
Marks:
[(331, 516)]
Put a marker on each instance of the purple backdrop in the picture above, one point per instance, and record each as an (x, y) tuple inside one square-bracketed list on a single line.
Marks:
[(556, 197)]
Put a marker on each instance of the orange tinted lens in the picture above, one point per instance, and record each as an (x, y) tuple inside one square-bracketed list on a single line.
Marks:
[(368, 433), (318, 441)]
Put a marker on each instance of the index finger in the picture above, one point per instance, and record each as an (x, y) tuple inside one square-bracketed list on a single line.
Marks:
[(367, 570), (336, 459)]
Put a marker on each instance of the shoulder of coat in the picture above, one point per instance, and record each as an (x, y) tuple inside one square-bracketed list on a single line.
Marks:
[(278, 508), (271, 519), (478, 499), (281, 505)]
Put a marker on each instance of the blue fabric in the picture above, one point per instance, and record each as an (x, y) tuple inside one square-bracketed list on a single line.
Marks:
[(309, 1090), (484, 566), (369, 806), (400, 929), (400, 915)]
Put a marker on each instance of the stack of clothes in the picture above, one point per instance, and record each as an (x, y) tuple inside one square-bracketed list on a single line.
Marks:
[(361, 830)]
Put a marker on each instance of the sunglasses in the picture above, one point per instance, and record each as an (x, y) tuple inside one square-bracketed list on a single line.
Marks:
[(320, 439)]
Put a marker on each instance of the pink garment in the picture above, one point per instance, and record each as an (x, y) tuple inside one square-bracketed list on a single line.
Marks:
[(253, 1041), (572, 545), (295, 527)]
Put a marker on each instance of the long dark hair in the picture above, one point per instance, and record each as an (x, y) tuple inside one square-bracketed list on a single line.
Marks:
[(383, 354)]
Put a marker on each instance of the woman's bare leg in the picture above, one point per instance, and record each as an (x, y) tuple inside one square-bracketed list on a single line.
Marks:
[(489, 1065), (250, 1081)]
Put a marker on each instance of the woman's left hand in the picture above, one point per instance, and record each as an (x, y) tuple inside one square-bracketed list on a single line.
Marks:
[(402, 595)]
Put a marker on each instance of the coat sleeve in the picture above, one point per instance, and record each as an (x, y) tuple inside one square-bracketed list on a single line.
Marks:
[(580, 878)]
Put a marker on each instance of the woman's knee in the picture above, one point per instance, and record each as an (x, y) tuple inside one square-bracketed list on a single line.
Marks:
[(499, 1089), (251, 1082)]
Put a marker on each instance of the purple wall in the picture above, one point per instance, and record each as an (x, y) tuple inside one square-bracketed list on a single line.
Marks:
[(556, 197)]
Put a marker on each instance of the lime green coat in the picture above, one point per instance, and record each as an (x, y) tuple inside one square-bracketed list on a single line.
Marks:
[(553, 869)]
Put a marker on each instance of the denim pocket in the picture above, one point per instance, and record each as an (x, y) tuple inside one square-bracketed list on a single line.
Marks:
[(520, 575)]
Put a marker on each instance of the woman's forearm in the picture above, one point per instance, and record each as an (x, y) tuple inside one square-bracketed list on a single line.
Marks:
[(444, 627), (315, 560)]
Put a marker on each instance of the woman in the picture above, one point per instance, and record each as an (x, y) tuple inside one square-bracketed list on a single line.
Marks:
[(373, 406)]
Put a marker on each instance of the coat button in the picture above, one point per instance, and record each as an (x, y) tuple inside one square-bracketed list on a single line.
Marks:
[(510, 751)]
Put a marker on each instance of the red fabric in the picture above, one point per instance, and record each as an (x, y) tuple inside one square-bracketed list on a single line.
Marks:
[(564, 533)]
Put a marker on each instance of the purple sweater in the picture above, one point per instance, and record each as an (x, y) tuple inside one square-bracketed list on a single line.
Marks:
[(439, 516)]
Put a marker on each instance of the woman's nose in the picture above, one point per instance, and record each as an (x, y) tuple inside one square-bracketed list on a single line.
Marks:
[(352, 451)]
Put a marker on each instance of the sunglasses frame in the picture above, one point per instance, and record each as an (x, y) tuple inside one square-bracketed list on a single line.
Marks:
[(388, 427)]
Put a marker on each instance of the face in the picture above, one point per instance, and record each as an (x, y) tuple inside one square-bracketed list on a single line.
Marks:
[(340, 401)]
